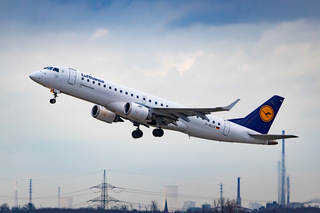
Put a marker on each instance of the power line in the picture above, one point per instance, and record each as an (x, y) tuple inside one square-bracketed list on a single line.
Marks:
[(47, 179)]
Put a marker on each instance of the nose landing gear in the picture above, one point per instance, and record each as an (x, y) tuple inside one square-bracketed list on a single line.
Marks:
[(55, 95), (52, 101)]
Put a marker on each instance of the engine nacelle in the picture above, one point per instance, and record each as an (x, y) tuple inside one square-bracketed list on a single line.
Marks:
[(137, 111), (102, 114)]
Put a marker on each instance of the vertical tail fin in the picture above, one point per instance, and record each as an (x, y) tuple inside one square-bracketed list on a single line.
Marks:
[(261, 119)]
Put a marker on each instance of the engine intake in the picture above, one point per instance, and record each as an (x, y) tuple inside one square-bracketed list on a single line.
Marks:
[(137, 111), (102, 114)]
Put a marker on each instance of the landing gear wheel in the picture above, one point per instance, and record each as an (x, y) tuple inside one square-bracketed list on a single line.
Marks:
[(55, 95), (157, 132), (52, 100), (137, 134)]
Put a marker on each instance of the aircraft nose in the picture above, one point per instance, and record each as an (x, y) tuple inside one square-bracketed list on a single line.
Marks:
[(33, 76)]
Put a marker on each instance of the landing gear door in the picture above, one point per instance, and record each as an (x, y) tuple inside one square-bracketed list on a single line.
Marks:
[(72, 76), (226, 129)]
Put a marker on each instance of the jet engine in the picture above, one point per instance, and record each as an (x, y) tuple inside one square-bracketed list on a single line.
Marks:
[(137, 111), (102, 114)]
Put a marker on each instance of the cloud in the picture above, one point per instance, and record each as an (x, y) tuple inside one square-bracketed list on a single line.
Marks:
[(198, 66), (179, 61), (99, 33)]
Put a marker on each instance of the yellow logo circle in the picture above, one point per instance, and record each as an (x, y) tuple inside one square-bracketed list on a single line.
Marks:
[(266, 113)]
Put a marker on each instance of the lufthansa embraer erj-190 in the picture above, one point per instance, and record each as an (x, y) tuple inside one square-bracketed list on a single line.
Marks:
[(116, 103)]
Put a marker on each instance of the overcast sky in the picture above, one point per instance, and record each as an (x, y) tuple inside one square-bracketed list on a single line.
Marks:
[(196, 53)]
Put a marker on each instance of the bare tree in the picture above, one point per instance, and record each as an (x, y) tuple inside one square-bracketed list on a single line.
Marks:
[(124, 207), (131, 206), (115, 208), (4, 208), (218, 205), (226, 206), (231, 206), (154, 206)]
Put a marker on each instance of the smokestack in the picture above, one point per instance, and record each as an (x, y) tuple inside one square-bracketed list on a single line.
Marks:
[(288, 190), (283, 175), (16, 195), (279, 182), (59, 197), (238, 194), (30, 192)]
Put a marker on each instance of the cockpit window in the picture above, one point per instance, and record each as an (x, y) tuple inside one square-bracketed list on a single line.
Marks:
[(48, 68), (56, 69)]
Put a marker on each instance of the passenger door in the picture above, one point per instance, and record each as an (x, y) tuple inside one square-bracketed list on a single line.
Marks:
[(72, 76), (226, 129)]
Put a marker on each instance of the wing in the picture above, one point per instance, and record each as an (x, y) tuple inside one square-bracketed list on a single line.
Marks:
[(171, 115)]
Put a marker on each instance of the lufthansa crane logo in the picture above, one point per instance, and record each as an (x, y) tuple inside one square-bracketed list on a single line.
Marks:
[(266, 113)]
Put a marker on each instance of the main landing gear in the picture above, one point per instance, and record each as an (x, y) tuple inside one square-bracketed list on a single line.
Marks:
[(138, 133), (157, 132)]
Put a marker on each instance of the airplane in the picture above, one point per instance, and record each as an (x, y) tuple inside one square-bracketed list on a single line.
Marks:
[(116, 103)]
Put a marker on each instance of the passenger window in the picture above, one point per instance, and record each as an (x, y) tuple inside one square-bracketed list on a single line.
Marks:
[(218, 123), (156, 102), (137, 96), (104, 85), (109, 87), (131, 95), (144, 99), (99, 84), (93, 82), (56, 69), (213, 122), (167, 106), (161, 104), (126, 93), (120, 91), (150, 101), (115, 89), (82, 78), (88, 80)]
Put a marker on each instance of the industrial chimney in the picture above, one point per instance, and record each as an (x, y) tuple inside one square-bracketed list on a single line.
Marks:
[(238, 194)]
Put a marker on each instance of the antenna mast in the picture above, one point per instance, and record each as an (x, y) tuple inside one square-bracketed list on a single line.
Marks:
[(30, 192)]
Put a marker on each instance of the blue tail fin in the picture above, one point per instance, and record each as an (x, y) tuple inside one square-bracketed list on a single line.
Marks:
[(261, 119)]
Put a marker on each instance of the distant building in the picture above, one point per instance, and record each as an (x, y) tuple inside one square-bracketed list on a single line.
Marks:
[(206, 207), (193, 209), (254, 206), (262, 208), (188, 204), (273, 205), (66, 202), (295, 205)]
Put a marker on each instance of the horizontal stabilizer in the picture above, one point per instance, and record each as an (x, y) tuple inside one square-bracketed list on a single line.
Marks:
[(271, 137)]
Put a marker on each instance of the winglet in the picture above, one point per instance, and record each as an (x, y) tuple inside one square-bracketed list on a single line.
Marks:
[(227, 108)]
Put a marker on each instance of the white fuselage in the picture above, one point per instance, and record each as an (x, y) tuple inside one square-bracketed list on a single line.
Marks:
[(113, 96)]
